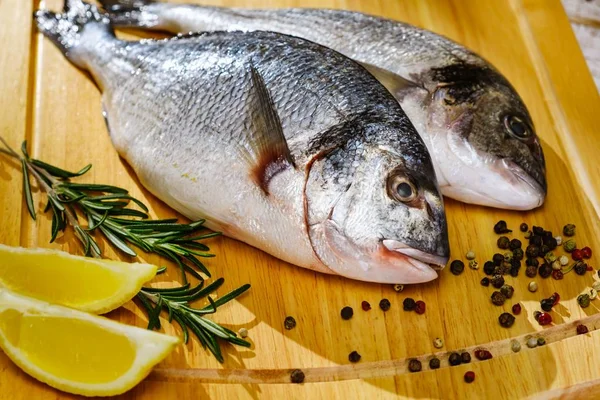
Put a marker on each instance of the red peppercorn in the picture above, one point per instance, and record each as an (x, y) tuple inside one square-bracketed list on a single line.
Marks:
[(469, 376), (586, 252), (544, 319), (482, 354), (589, 268), (577, 255), (420, 307), (557, 274), (582, 329), (365, 306), (516, 309), (555, 298)]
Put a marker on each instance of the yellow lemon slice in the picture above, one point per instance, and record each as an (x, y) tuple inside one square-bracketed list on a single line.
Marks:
[(75, 351), (93, 285)]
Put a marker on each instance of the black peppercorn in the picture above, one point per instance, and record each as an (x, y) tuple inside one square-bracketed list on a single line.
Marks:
[(545, 270), (347, 313), (498, 298), (538, 230), (514, 272), (289, 323), (384, 304), (414, 365), (454, 359), (465, 357), (297, 376), (434, 363), (551, 243), (543, 250), (507, 291), (547, 235), (580, 268), (514, 263), (488, 267), (457, 267), (409, 304), (498, 259), (532, 262), (536, 240), (499, 270), (547, 304), (485, 281), (354, 357), (531, 271), (532, 251), (515, 244), (518, 254), (506, 320), (524, 227), (497, 281), (501, 227), (503, 242)]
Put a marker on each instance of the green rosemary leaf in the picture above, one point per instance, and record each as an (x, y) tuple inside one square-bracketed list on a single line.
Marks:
[(231, 295), (210, 326), (206, 339), (96, 206), (198, 265), (168, 290), (176, 260), (137, 222), (202, 237), (48, 206), (83, 238), (65, 199), (163, 227), (94, 187), (118, 243), (27, 189), (141, 296), (156, 313), (161, 270), (56, 202), (194, 245), (121, 197), (61, 173), (24, 150), (92, 226), (128, 212), (200, 253), (183, 326)]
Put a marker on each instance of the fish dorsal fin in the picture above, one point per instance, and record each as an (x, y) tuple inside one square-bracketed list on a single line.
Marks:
[(394, 83), (267, 149)]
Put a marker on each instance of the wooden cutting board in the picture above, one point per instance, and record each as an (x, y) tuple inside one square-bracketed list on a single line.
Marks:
[(57, 109)]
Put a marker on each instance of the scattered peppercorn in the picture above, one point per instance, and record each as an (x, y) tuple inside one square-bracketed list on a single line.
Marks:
[(347, 313), (488, 267), (485, 282), (547, 304), (434, 363), (544, 249), (537, 230), (557, 275), (398, 287), (569, 245), (533, 287), (289, 323), (596, 286), (454, 359), (532, 262), (469, 376), (414, 365), (297, 376), (586, 252), (482, 354), (384, 304), (470, 255), (515, 244), (532, 251), (473, 264), (549, 257), (514, 272), (457, 267), (507, 257), (546, 235), (580, 268), (558, 240), (420, 307), (499, 270), (243, 332), (507, 291), (515, 346), (551, 243), (593, 293), (498, 298), (577, 255), (590, 268), (498, 259), (544, 319), (465, 357), (555, 298), (365, 306), (503, 242), (518, 254), (501, 227), (545, 270), (535, 240), (563, 260), (524, 227), (438, 343), (532, 343), (506, 320), (582, 329), (516, 309), (583, 300), (541, 341), (408, 304), (531, 271), (354, 357), (497, 281), (569, 230)]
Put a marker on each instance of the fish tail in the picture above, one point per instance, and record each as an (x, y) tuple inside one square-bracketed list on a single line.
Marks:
[(133, 13), (67, 29)]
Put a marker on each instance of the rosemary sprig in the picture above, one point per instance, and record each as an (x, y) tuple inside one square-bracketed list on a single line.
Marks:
[(106, 209)]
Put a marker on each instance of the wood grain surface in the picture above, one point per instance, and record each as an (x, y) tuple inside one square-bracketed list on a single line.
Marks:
[(56, 108)]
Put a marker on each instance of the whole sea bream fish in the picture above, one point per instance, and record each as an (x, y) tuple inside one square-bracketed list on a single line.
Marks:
[(277, 141), (475, 125)]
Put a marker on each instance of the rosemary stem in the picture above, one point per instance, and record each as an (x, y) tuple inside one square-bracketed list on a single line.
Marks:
[(10, 150)]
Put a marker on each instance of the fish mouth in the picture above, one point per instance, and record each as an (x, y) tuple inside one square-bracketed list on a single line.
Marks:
[(527, 184), (417, 258)]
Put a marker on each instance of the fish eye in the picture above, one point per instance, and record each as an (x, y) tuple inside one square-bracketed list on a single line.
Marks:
[(402, 189), (516, 127)]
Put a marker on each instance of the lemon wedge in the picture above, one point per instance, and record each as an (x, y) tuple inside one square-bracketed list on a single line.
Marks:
[(75, 351), (87, 284)]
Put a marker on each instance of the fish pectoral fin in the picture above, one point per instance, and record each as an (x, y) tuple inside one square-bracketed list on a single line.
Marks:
[(394, 83), (267, 150)]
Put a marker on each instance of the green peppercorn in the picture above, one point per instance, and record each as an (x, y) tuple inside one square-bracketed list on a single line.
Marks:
[(507, 291), (434, 363), (501, 227), (532, 251), (414, 365), (454, 359), (498, 298), (465, 357), (515, 346), (503, 242), (515, 244), (498, 259), (457, 267), (583, 300), (532, 262), (518, 254), (497, 281), (569, 245), (545, 270), (506, 320), (531, 271), (569, 230), (524, 227), (488, 267)]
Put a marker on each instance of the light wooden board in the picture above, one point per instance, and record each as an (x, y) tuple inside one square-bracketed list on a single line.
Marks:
[(57, 108)]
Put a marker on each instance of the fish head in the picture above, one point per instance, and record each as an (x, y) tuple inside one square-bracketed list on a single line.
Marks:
[(374, 211), (482, 136)]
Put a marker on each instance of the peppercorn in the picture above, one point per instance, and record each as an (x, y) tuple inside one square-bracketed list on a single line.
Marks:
[(365, 306), (434, 363), (516, 309), (582, 329), (545, 270), (457, 267), (558, 240), (524, 227), (485, 282), (498, 298), (503, 242), (473, 264), (482, 354), (533, 287), (438, 343), (506, 320), (498, 259), (593, 293), (551, 243), (590, 268), (596, 286), (577, 255), (384, 304), (515, 346), (536, 314), (557, 275), (499, 270), (290, 323), (507, 291), (409, 304), (531, 271), (544, 319), (569, 245), (488, 267), (583, 300), (518, 254), (515, 244), (546, 234), (297, 376), (549, 257), (544, 249), (569, 230), (556, 265), (563, 260), (398, 288), (469, 376), (420, 307), (347, 313), (514, 272), (580, 268), (497, 281), (586, 252), (547, 304), (465, 357), (532, 342), (535, 240), (454, 359), (354, 357), (541, 341), (528, 235), (501, 227), (555, 298), (532, 262), (537, 230), (243, 332), (532, 251), (470, 255), (414, 365), (507, 258)]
